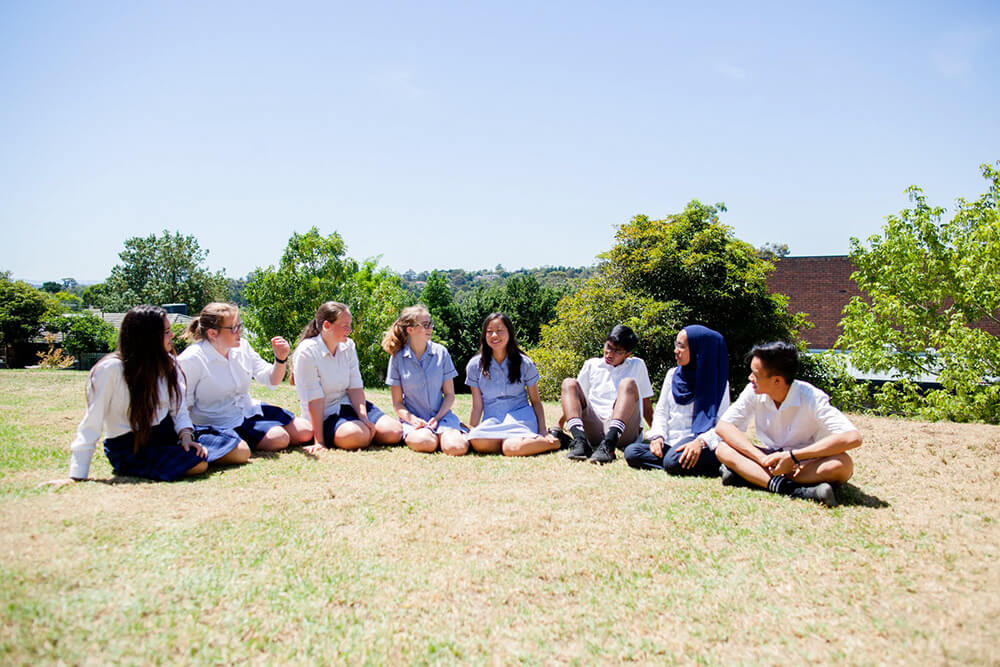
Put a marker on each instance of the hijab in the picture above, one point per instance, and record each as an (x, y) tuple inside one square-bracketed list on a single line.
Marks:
[(704, 378)]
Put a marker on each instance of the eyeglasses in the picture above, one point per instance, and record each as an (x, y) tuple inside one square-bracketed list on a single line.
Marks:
[(236, 328), (429, 324)]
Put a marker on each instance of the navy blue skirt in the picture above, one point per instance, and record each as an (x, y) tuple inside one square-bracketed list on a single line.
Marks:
[(162, 458)]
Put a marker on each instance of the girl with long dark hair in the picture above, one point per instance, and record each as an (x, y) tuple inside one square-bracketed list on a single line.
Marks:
[(507, 414), (327, 376), (135, 395)]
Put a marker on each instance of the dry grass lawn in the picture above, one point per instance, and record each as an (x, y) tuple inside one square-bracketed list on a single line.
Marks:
[(390, 556)]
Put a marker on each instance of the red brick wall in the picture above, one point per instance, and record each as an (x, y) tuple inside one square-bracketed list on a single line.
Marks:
[(821, 286), (818, 286)]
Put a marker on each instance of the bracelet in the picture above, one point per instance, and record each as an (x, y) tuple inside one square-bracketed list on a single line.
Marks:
[(280, 361), (792, 454)]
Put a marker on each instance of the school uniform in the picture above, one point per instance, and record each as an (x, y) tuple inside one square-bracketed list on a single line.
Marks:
[(162, 457), (507, 413), (599, 381), (421, 381), (319, 374), (218, 390)]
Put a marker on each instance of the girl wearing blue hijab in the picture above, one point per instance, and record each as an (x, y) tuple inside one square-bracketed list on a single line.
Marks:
[(682, 439)]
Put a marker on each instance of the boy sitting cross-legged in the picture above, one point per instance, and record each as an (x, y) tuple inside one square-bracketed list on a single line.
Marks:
[(804, 438), (607, 401)]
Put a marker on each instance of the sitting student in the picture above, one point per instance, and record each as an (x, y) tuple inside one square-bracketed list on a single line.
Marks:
[(422, 377), (504, 385), (327, 377), (219, 366), (804, 437), (694, 394), (135, 395), (607, 400)]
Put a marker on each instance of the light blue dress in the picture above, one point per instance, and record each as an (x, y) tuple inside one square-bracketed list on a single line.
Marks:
[(421, 381), (507, 413)]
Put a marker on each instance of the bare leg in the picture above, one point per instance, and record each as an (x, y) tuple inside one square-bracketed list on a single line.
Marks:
[(352, 434), (743, 466), (834, 469), (275, 439), (529, 446), (299, 431), (241, 454), (454, 443), (572, 398), (486, 445), (198, 469), (388, 431), (422, 440)]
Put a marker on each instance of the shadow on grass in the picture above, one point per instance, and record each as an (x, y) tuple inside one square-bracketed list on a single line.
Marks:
[(851, 496)]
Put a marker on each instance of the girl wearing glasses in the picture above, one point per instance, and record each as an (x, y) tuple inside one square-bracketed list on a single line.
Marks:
[(506, 414), (327, 376), (219, 366), (422, 375), (135, 396)]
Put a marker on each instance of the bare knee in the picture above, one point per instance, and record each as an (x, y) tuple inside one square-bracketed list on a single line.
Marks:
[(628, 389), (198, 469), (299, 431), (388, 431), (422, 441), (352, 435), (840, 469), (454, 443), (277, 438), (486, 445), (725, 453), (570, 385)]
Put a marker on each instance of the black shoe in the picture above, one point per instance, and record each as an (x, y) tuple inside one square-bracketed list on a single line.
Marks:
[(729, 478), (821, 493), (564, 440), (605, 453), (580, 451)]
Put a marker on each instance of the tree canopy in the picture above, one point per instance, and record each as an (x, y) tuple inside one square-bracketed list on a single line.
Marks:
[(313, 269), (157, 270), (931, 289), (22, 311), (660, 276)]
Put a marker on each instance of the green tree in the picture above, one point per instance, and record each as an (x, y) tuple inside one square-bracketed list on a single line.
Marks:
[(158, 270), (84, 332), (51, 287), (22, 311), (314, 268), (664, 274), (930, 286), (438, 298)]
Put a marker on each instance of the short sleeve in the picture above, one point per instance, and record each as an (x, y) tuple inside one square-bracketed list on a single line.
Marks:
[(448, 371), (832, 419), (392, 373), (306, 373), (355, 382), (741, 412), (529, 372), (472, 371), (642, 379), (583, 377)]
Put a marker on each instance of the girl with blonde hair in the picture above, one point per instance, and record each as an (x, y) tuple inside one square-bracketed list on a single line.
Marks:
[(219, 365), (327, 377), (422, 375)]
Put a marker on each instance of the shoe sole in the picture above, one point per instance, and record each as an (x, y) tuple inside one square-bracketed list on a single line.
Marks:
[(585, 457)]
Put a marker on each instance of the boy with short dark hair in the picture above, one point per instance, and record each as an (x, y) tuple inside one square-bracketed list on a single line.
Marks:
[(804, 438), (607, 400)]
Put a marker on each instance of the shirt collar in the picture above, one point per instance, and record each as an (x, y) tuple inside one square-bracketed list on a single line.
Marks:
[(408, 352)]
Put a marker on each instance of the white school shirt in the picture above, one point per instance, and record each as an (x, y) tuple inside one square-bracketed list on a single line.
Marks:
[(672, 421), (319, 374), (107, 411), (599, 381), (804, 417), (218, 388)]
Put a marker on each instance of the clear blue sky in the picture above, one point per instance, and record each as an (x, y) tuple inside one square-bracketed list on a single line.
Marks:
[(465, 134)]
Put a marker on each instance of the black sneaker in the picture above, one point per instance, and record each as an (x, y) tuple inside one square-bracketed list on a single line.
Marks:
[(729, 478), (821, 493), (604, 453), (580, 451), (564, 440)]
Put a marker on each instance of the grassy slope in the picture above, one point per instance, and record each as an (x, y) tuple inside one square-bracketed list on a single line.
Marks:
[(387, 555)]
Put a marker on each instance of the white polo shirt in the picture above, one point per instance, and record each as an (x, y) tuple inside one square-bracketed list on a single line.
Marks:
[(599, 381), (804, 417), (319, 374), (218, 387)]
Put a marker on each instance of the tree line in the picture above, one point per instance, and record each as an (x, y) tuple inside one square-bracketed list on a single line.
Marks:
[(929, 284)]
